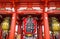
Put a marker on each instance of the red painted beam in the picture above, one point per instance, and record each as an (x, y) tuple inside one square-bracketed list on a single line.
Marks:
[(54, 12), (29, 12), (5, 12)]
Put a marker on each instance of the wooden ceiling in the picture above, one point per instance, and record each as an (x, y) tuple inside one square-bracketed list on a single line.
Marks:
[(9, 3), (26, 1)]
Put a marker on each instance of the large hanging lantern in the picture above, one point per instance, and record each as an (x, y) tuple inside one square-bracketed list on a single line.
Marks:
[(5, 23), (55, 25), (29, 24)]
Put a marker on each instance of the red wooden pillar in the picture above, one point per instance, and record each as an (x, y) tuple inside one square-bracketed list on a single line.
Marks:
[(53, 37), (46, 26), (40, 31), (19, 29), (12, 27), (59, 35), (22, 35), (0, 33), (7, 36)]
